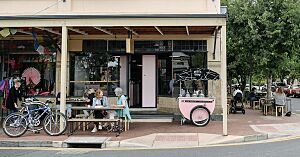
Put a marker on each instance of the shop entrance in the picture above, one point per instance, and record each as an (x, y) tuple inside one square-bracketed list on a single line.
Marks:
[(135, 77)]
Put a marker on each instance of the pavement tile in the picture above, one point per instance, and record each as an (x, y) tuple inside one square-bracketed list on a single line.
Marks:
[(176, 135)]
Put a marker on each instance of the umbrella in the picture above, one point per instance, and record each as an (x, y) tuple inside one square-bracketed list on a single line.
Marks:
[(32, 75), (198, 74)]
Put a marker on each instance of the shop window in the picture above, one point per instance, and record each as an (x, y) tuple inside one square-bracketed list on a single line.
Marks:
[(38, 72), (94, 70), (153, 46), (116, 46), (190, 45), (171, 64)]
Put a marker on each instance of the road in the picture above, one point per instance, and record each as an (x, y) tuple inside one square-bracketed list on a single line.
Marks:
[(296, 105), (289, 148)]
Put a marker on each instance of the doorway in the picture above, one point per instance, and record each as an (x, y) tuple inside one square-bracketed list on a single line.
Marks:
[(135, 83)]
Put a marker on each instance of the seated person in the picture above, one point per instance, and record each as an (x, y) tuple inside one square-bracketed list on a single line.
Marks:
[(238, 98), (122, 102), (237, 90), (99, 100), (280, 99), (237, 95), (253, 96), (91, 95)]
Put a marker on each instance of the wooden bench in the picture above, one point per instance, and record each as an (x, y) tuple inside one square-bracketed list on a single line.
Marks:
[(88, 121)]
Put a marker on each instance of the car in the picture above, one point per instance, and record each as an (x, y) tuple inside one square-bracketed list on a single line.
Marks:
[(288, 91), (296, 90)]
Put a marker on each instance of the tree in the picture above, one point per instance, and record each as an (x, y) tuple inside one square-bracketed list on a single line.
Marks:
[(263, 37), (278, 34), (241, 40)]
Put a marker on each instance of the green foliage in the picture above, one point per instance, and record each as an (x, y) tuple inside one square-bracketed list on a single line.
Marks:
[(263, 38)]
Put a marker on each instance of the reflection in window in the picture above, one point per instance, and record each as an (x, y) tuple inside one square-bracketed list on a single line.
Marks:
[(96, 70), (169, 66)]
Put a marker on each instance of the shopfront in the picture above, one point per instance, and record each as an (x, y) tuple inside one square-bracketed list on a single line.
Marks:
[(94, 52), (145, 75)]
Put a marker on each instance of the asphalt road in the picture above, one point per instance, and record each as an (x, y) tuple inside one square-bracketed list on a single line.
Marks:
[(288, 148), (296, 105)]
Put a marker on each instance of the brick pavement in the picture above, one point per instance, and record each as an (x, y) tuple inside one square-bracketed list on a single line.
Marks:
[(238, 124)]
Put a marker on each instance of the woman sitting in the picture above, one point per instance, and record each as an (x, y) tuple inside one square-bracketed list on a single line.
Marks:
[(99, 100), (123, 103), (280, 99)]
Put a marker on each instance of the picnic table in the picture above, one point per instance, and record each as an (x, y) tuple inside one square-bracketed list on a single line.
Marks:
[(90, 119)]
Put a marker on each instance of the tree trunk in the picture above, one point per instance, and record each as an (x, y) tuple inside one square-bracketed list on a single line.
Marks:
[(243, 81), (269, 84), (250, 85)]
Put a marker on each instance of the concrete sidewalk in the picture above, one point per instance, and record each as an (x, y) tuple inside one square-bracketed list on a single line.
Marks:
[(171, 140), (252, 126)]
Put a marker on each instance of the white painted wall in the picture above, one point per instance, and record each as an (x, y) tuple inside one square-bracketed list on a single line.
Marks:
[(149, 81), (31, 7)]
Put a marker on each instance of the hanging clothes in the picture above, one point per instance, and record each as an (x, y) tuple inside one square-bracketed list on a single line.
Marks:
[(11, 83), (6, 91), (2, 85)]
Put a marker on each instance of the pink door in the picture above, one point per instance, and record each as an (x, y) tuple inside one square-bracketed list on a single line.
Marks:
[(148, 81)]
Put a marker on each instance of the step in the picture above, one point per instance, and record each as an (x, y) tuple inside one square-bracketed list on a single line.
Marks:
[(165, 120), (86, 142), (142, 109), (153, 116)]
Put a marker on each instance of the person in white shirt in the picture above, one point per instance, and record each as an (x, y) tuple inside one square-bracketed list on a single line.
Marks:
[(237, 90)]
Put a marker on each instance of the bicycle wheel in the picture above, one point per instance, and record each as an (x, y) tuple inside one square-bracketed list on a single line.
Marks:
[(200, 116), (55, 124), (15, 125)]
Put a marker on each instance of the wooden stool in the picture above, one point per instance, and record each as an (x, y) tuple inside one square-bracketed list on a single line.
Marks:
[(277, 107), (247, 104), (254, 104), (266, 106)]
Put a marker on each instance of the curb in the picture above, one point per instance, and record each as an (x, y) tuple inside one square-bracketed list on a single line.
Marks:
[(25, 143), (123, 144), (256, 137)]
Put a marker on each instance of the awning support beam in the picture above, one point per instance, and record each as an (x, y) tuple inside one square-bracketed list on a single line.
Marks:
[(159, 30), (187, 30), (24, 32), (77, 31), (131, 30), (48, 30), (104, 30)]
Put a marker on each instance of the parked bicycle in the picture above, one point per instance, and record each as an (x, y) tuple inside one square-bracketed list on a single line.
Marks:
[(31, 115)]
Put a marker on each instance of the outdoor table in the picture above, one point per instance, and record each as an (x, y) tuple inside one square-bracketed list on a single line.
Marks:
[(115, 108), (77, 102)]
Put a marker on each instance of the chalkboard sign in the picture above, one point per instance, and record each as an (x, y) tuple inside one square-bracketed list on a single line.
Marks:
[(23, 87)]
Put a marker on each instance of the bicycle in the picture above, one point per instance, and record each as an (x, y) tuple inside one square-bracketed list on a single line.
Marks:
[(30, 117)]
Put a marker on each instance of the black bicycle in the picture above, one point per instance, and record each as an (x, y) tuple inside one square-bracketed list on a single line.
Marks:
[(30, 117)]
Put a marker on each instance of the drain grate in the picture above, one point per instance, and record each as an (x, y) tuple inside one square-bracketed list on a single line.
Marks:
[(86, 142)]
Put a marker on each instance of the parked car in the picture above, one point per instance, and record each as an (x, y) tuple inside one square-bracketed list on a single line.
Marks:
[(288, 91), (295, 90), (280, 85)]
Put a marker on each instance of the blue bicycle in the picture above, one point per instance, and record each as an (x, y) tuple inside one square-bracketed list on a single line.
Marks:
[(30, 117)]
